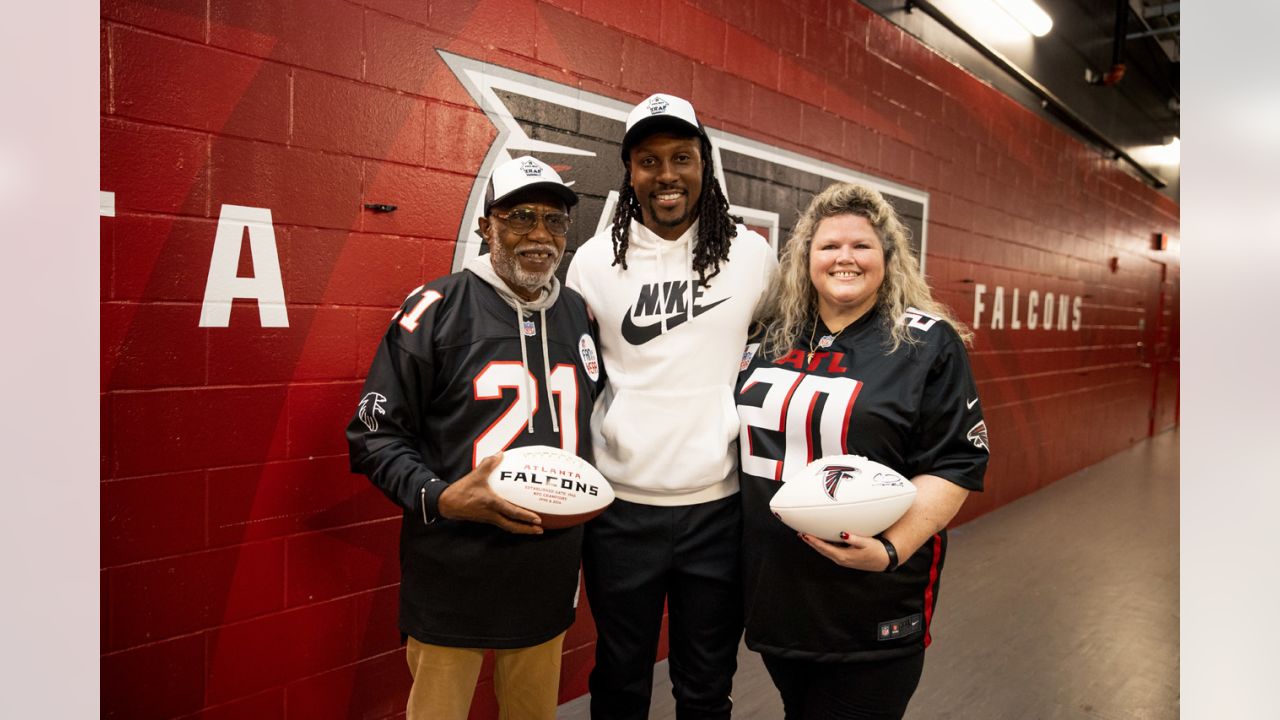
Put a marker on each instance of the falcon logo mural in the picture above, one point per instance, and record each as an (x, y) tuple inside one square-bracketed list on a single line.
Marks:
[(580, 134)]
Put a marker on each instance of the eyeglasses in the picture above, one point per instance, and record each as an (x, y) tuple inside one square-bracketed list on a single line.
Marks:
[(522, 221)]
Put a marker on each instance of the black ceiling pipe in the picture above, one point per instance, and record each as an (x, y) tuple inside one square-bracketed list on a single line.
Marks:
[(1122, 29)]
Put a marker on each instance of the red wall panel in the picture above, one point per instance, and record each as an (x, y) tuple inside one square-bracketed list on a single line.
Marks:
[(316, 34), (186, 84), (184, 594), (752, 59), (273, 650), (155, 169), (643, 19), (429, 202), (371, 688), (300, 186), (131, 529), (154, 681), (502, 24), (268, 705), (353, 118), (258, 502), (246, 572), (568, 40), (325, 565), (643, 61), (689, 31)]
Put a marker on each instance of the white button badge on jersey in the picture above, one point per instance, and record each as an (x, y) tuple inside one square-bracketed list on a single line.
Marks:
[(590, 361)]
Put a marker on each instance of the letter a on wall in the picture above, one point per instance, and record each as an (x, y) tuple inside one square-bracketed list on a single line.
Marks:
[(266, 286)]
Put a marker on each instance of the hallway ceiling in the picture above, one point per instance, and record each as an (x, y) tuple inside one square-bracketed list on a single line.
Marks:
[(1137, 108)]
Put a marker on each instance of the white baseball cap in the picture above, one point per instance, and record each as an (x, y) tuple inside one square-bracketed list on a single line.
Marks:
[(524, 173), (656, 112)]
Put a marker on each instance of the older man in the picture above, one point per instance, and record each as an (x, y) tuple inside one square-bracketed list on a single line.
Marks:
[(496, 356)]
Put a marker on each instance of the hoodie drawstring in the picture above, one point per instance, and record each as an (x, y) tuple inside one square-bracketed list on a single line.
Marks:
[(662, 284), (689, 264), (688, 254), (546, 373), (546, 369), (524, 363)]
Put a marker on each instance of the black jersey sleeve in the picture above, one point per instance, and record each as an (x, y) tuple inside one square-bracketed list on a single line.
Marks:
[(384, 436), (947, 430)]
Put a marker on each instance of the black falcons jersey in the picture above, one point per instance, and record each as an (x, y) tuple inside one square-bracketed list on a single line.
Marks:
[(915, 410), (447, 388)]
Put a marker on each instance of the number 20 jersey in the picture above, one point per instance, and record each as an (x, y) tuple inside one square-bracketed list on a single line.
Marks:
[(446, 389), (915, 410)]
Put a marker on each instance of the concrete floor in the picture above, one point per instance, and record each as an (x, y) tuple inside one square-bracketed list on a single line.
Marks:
[(1063, 604)]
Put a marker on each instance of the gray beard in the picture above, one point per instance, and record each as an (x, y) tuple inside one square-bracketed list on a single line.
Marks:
[(507, 265)]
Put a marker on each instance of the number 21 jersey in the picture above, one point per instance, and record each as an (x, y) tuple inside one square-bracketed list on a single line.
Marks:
[(453, 382)]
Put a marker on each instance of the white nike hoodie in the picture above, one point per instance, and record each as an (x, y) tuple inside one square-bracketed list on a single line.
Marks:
[(665, 428)]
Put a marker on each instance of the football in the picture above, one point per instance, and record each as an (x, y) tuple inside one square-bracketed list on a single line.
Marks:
[(561, 487), (843, 492)]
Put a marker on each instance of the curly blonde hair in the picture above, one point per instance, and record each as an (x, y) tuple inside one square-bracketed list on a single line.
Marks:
[(792, 301)]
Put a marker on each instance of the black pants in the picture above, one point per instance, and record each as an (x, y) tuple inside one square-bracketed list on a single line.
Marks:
[(873, 690), (635, 556)]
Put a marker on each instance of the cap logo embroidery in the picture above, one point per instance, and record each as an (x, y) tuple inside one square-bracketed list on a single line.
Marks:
[(657, 106), (531, 168)]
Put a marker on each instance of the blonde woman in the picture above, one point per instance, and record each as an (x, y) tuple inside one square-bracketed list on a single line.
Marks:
[(853, 357)]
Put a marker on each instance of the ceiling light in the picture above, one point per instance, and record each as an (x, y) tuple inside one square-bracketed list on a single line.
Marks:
[(1029, 15), (1167, 155), (987, 21)]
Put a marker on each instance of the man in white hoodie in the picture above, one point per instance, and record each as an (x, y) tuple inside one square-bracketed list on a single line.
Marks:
[(493, 357), (673, 285)]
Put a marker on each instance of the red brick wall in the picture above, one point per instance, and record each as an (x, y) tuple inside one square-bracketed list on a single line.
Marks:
[(245, 572)]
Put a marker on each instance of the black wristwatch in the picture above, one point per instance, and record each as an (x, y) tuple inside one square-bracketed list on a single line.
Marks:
[(893, 553)]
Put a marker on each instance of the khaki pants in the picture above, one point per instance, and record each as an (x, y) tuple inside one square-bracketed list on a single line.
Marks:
[(526, 680)]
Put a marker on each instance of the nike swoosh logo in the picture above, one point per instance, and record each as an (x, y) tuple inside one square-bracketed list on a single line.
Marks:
[(971, 403), (641, 334)]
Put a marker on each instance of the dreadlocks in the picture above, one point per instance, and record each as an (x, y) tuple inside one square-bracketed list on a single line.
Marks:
[(715, 225)]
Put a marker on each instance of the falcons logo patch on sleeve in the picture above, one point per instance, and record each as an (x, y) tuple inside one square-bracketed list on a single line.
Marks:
[(370, 409), (978, 435), (833, 474)]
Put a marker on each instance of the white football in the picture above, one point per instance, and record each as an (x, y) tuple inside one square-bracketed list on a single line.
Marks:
[(561, 487), (843, 492)]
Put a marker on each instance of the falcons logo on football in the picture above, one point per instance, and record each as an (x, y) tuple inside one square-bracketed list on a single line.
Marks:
[(833, 474)]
